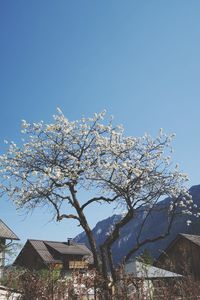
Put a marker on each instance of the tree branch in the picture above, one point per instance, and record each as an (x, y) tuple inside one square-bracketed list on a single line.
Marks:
[(70, 216), (97, 199), (152, 240)]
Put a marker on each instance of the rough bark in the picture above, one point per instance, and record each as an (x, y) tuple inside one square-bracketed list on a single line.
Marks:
[(87, 229), (106, 246)]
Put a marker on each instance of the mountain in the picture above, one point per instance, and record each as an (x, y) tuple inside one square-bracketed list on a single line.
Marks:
[(155, 225)]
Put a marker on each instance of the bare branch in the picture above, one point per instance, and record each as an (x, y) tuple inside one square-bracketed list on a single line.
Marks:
[(70, 216), (154, 239), (97, 199)]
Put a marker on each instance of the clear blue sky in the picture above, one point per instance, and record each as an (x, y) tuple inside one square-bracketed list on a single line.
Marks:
[(140, 60)]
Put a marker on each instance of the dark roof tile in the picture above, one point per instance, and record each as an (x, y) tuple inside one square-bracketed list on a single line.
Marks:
[(64, 248), (43, 248)]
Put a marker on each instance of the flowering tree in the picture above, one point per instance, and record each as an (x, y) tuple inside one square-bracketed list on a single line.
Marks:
[(56, 161)]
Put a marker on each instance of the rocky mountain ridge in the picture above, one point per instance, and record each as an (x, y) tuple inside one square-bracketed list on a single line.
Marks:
[(155, 225)]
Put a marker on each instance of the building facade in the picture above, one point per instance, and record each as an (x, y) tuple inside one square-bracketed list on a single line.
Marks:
[(66, 256), (182, 256)]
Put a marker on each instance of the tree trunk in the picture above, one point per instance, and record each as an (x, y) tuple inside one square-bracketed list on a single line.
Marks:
[(111, 265), (106, 246), (88, 231), (104, 260)]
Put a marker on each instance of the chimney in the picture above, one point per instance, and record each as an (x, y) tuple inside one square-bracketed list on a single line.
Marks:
[(69, 241)]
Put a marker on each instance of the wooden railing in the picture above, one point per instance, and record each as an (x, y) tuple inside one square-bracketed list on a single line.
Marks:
[(76, 264)]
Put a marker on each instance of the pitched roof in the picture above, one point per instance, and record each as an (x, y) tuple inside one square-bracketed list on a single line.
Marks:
[(191, 237), (141, 270), (64, 248), (44, 249), (6, 232)]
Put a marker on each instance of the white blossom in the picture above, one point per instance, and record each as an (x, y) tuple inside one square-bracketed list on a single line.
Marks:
[(93, 154)]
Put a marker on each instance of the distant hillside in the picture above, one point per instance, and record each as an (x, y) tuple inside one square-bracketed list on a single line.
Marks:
[(155, 225)]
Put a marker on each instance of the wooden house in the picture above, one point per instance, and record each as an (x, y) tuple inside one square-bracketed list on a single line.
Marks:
[(5, 234), (65, 256), (182, 256)]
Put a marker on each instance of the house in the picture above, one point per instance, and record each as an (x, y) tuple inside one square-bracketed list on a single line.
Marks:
[(65, 256), (146, 279), (5, 234), (182, 256), (141, 270)]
